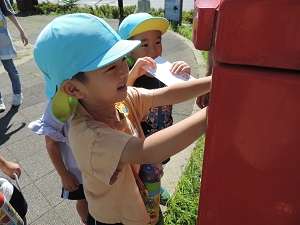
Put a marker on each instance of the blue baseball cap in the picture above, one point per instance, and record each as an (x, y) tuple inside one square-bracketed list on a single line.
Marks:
[(141, 22), (71, 44)]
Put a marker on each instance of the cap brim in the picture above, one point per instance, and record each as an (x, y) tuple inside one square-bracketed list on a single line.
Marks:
[(119, 50), (156, 23)]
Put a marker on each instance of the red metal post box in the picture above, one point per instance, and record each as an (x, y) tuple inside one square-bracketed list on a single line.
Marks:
[(252, 148), (203, 23)]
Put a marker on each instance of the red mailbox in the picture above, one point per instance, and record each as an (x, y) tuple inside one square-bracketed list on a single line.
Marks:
[(203, 23), (252, 148)]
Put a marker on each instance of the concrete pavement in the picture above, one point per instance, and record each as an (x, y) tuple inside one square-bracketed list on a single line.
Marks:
[(40, 182)]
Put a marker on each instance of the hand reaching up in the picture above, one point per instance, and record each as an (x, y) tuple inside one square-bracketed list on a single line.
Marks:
[(203, 101), (137, 69)]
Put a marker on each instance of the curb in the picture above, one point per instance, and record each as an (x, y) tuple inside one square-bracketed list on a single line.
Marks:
[(179, 161)]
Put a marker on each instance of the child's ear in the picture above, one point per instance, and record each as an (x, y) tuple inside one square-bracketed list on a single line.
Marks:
[(69, 87)]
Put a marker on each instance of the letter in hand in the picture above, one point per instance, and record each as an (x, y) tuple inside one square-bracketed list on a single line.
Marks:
[(137, 70), (145, 61), (180, 67)]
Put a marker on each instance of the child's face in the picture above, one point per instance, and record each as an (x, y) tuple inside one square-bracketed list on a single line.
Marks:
[(151, 45), (105, 86)]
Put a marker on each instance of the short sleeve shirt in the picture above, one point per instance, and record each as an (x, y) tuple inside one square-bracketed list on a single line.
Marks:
[(58, 131), (6, 7), (98, 148)]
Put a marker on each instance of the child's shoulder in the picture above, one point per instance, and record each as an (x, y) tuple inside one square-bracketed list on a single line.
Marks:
[(49, 125)]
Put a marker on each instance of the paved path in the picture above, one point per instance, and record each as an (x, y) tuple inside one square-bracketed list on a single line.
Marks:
[(40, 182), (187, 5)]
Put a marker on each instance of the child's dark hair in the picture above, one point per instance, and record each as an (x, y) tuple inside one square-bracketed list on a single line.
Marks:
[(81, 77)]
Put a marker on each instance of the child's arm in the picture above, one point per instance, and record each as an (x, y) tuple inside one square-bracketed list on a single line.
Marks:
[(181, 92), (202, 100), (68, 180), (18, 26), (176, 137), (137, 69), (180, 67), (9, 168), (165, 143)]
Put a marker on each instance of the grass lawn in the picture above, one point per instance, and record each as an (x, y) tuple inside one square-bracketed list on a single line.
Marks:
[(183, 205)]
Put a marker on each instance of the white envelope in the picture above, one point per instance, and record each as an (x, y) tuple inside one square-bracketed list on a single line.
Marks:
[(162, 72)]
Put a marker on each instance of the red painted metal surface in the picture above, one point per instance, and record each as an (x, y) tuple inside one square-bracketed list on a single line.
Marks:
[(205, 12), (259, 32), (252, 148)]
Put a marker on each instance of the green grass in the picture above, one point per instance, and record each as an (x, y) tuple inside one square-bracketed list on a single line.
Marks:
[(183, 205)]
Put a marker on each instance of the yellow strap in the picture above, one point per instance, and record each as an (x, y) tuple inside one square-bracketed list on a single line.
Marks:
[(60, 109)]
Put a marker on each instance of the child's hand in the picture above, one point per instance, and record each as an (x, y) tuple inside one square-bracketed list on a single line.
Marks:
[(202, 101), (69, 181), (24, 38), (9, 168), (137, 69), (180, 67)]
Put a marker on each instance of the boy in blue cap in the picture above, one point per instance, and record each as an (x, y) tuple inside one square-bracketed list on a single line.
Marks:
[(149, 30), (82, 58)]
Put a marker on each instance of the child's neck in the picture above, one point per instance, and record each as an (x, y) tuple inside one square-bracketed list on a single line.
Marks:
[(108, 115)]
